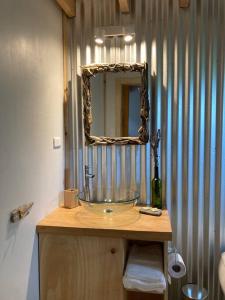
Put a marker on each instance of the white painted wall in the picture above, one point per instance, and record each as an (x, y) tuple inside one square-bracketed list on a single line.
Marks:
[(31, 95)]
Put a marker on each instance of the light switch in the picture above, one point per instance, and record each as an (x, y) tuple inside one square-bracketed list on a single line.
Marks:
[(56, 142)]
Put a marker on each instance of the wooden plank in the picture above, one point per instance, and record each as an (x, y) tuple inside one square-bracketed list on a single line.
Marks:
[(68, 6), (124, 6), (65, 25), (184, 3), (129, 225), (67, 171), (125, 110), (143, 296), (81, 268)]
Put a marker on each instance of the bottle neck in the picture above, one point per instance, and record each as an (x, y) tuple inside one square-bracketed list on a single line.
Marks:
[(156, 172)]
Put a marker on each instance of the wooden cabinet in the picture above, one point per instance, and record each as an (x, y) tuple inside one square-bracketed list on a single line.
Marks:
[(87, 268), (78, 262)]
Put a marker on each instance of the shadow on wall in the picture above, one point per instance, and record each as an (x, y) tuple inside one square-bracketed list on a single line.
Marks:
[(154, 110), (158, 120), (153, 104), (33, 282), (11, 235)]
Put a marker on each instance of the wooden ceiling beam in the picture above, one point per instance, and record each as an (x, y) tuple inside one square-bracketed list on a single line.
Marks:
[(124, 6), (184, 3), (68, 6)]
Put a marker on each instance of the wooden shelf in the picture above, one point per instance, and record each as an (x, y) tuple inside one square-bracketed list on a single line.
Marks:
[(143, 296), (130, 225)]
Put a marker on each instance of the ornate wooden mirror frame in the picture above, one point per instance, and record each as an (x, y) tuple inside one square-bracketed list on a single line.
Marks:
[(91, 70)]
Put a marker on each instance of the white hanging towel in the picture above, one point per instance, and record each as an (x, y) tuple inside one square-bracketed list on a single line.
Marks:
[(144, 270)]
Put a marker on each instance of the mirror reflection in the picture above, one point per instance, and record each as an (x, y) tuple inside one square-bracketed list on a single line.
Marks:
[(115, 104)]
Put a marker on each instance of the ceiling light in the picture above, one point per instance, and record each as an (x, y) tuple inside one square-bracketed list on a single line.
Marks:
[(127, 33), (128, 38)]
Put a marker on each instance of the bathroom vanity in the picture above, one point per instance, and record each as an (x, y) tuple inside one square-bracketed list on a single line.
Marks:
[(82, 256)]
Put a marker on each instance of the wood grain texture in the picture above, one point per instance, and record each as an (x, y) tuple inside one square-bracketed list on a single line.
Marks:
[(87, 268), (143, 296), (124, 6), (128, 225), (68, 6), (125, 110), (184, 3), (67, 171)]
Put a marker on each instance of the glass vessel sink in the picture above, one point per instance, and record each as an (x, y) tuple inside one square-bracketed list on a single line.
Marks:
[(110, 202)]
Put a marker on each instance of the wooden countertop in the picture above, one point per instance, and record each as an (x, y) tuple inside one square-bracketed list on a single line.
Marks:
[(128, 225)]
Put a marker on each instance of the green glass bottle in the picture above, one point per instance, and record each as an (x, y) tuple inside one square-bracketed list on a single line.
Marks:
[(156, 190)]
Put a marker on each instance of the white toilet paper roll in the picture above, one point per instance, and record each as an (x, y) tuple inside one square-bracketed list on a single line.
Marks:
[(176, 266)]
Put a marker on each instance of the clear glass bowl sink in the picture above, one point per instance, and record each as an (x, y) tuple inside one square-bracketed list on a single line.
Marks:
[(110, 202)]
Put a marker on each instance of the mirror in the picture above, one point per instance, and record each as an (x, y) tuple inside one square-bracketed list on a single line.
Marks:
[(115, 104)]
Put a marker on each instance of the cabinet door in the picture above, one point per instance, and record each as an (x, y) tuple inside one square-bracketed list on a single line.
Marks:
[(81, 268)]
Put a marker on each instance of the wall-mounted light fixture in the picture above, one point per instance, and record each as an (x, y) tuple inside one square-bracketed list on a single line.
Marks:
[(99, 40), (99, 36), (128, 38), (127, 33)]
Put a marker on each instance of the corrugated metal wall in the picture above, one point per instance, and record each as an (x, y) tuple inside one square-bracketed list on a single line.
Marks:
[(185, 52)]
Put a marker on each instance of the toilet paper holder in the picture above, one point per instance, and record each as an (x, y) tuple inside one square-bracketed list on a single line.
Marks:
[(176, 265), (176, 268)]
